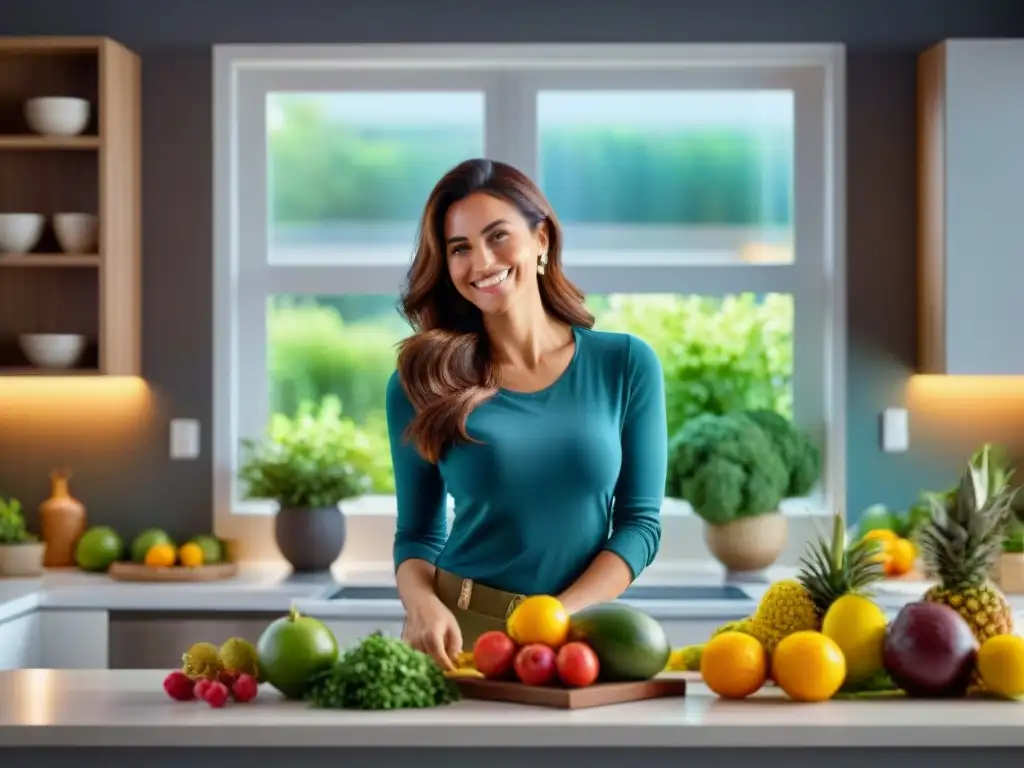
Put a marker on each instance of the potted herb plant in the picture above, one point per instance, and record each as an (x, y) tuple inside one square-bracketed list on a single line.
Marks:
[(308, 465), (735, 469), (21, 553)]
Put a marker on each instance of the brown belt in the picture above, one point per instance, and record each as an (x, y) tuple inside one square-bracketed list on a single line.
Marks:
[(468, 595)]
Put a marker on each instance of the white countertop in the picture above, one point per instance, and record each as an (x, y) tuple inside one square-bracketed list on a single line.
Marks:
[(270, 587), (258, 587), (129, 708)]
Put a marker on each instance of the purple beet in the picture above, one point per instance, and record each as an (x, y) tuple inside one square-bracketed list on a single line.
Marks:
[(930, 651)]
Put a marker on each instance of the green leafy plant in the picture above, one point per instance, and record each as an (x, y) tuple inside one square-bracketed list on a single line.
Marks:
[(726, 467), (382, 672), (718, 354), (12, 524), (316, 459), (798, 452)]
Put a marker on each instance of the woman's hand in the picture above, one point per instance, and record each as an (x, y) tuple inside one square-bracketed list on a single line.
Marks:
[(431, 627)]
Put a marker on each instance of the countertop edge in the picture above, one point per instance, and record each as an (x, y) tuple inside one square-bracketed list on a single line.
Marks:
[(507, 736)]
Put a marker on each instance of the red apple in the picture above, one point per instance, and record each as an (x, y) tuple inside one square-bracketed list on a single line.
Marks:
[(494, 655), (535, 665), (577, 665)]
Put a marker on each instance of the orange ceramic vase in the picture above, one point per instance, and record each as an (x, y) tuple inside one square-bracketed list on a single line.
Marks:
[(61, 522)]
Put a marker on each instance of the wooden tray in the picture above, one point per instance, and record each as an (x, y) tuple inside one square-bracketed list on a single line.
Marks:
[(598, 695), (172, 573)]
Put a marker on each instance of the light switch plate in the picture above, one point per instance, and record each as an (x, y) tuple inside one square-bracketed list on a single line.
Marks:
[(895, 430), (184, 439)]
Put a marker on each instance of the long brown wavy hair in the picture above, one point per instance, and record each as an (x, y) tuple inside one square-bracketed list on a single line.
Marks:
[(446, 366)]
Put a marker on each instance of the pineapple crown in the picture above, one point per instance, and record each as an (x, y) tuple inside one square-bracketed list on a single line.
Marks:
[(831, 568), (963, 539)]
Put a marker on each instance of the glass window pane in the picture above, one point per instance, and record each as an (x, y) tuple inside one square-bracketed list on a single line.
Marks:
[(349, 173), (718, 354), (343, 346), (676, 177)]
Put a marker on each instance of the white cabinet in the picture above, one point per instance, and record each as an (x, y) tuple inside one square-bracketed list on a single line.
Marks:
[(19, 643), (970, 222), (74, 639)]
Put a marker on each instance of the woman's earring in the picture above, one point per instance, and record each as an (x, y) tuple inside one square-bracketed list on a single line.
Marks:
[(542, 262)]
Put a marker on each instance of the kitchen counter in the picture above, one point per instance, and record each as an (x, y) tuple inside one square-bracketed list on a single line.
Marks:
[(271, 587), (258, 587), (128, 708)]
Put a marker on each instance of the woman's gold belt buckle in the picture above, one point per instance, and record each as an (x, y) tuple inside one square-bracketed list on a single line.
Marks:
[(465, 594), (514, 603)]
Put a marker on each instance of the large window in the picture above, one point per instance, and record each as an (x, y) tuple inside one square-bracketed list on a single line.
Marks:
[(698, 190)]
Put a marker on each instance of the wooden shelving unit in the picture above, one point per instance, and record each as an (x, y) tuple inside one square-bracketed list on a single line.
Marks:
[(98, 172)]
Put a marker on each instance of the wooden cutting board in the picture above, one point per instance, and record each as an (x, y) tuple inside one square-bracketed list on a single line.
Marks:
[(172, 573), (599, 695)]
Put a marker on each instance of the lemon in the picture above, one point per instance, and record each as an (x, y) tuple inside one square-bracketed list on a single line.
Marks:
[(734, 665), (808, 666), (160, 556), (857, 626), (1001, 665), (190, 555), (539, 619)]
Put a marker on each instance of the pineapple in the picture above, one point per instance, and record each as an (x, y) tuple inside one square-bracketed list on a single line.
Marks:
[(960, 546), (830, 570)]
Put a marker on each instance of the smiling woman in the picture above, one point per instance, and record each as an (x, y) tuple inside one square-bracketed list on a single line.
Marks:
[(550, 436)]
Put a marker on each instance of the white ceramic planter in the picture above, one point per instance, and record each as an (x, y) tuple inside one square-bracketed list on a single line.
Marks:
[(22, 560), (750, 544), (1011, 573)]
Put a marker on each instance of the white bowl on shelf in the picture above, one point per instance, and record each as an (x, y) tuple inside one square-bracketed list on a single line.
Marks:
[(76, 232), (57, 115), (20, 232), (52, 350)]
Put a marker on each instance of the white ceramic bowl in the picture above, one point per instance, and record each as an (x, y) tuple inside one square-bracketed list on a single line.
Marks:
[(57, 115), (20, 232), (52, 350), (76, 232)]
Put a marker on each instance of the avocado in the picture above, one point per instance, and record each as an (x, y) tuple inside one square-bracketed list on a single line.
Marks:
[(629, 644)]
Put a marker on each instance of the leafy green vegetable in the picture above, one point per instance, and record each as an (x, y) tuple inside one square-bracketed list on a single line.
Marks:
[(382, 673), (880, 682), (12, 524), (726, 467), (796, 449)]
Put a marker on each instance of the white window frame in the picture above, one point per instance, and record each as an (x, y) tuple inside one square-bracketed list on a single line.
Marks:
[(244, 74)]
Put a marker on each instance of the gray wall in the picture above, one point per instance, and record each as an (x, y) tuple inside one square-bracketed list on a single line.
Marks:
[(133, 484)]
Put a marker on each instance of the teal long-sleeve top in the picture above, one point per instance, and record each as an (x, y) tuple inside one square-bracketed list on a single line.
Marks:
[(558, 475)]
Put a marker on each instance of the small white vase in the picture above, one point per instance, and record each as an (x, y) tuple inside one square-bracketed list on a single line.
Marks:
[(22, 560)]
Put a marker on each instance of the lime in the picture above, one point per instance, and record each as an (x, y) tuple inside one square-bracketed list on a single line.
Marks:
[(293, 650), (98, 548), (145, 541), (211, 546)]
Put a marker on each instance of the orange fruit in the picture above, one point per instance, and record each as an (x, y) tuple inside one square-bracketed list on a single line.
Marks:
[(902, 554), (883, 554), (190, 555), (539, 619), (161, 556), (809, 666), (734, 665)]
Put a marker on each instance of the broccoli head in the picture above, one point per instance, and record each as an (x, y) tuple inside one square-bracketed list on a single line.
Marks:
[(798, 452), (726, 467)]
